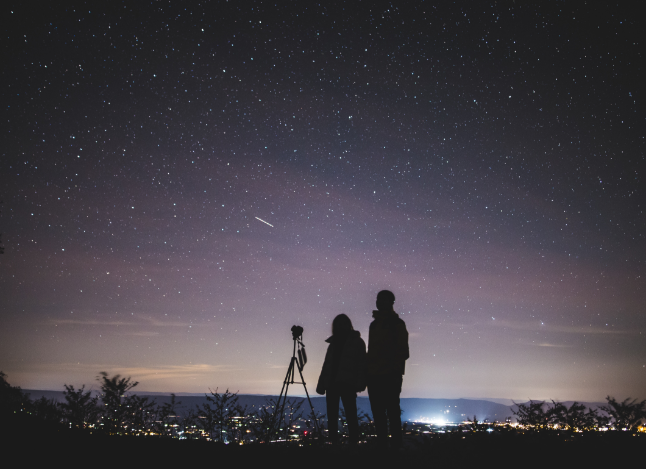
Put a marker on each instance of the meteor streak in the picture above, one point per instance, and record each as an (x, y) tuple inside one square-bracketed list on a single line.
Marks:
[(260, 219)]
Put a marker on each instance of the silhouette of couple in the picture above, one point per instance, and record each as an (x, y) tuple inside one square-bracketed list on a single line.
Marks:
[(347, 369)]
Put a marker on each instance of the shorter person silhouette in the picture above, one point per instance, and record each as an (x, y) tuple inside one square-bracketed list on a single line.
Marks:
[(343, 376)]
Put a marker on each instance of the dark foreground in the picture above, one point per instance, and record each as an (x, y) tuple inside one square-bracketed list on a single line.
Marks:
[(443, 450)]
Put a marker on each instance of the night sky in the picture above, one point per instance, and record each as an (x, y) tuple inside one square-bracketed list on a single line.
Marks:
[(183, 182)]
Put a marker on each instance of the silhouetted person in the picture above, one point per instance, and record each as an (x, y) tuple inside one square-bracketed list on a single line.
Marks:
[(343, 376), (387, 355)]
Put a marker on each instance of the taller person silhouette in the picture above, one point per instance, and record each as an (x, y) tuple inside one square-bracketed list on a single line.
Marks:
[(387, 355)]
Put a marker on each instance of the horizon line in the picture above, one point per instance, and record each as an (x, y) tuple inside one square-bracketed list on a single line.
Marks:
[(303, 396)]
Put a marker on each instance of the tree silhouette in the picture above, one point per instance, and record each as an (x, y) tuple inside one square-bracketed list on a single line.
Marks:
[(46, 410), (80, 409), (140, 415), (206, 420), (315, 426), (291, 413), (475, 426), (188, 425), (573, 418), (532, 415), (238, 425), (260, 422), (12, 399), (166, 418), (344, 423), (222, 419), (217, 413), (279, 425), (366, 425), (116, 406), (625, 415)]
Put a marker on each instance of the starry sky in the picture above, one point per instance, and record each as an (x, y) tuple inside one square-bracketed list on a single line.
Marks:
[(184, 181)]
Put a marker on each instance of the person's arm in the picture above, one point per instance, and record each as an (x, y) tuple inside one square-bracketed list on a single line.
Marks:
[(369, 357), (323, 377), (362, 372), (402, 342)]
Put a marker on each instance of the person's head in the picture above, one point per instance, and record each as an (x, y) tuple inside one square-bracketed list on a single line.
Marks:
[(385, 300), (341, 325)]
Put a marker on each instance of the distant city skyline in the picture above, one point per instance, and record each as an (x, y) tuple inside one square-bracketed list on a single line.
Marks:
[(183, 183), (415, 409)]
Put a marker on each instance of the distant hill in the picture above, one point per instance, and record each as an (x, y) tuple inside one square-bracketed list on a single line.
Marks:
[(414, 409)]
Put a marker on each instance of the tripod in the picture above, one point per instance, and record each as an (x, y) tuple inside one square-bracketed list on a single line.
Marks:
[(299, 358)]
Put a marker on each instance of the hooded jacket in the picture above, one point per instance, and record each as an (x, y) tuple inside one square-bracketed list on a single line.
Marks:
[(344, 367), (387, 344)]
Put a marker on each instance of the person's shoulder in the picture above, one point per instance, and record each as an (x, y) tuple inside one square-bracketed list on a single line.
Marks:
[(401, 323), (397, 318), (357, 343), (394, 318), (398, 323)]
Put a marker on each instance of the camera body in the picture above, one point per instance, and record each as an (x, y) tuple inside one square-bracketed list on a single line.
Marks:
[(297, 332)]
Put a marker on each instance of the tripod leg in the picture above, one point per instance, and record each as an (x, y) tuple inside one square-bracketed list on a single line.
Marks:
[(300, 371), (283, 397), (290, 374)]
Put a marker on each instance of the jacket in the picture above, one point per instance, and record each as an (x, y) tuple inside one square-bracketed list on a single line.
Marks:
[(387, 344), (344, 367)]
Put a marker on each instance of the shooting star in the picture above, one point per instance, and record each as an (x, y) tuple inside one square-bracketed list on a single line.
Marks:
[(260, 219)]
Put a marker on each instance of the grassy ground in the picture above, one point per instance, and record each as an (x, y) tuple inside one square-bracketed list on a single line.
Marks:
[(45, 445), (472, 451)]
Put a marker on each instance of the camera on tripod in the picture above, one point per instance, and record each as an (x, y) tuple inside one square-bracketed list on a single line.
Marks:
[(297, 335), (296, 364), (297, 332)]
